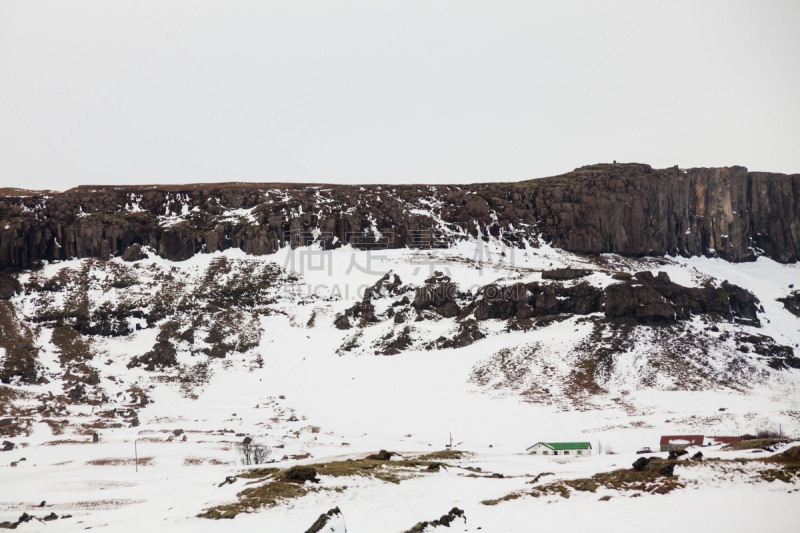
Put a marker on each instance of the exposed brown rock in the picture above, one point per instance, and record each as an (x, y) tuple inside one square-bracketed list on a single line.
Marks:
[(564, 274), (162, 355), (792, 303), (628, 209), (133, 253), (323, 520), (645, 297), (9, 286)]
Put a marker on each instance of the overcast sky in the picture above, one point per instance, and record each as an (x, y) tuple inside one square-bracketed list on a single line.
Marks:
[(149, 91)]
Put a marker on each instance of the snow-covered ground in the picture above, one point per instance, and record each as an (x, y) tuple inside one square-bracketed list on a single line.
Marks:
[(296, 388)]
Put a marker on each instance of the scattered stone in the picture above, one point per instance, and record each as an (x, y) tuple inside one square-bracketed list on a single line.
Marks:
[(229, 480), (177, 432), (674, 454), (444, 520), (328, 522)]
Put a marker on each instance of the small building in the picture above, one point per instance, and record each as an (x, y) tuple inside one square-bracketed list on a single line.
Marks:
[(679, 442), (724, 440), (560, 448)]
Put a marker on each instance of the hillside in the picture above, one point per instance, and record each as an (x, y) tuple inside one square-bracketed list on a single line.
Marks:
[(611, 305)]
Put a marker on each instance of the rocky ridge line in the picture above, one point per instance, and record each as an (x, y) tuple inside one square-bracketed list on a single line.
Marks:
[(628, 209)]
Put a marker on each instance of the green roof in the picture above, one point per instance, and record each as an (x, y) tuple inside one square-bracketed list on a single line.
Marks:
[(568, 445)]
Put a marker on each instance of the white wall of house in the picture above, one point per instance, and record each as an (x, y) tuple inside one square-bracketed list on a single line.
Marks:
[(541, 449)]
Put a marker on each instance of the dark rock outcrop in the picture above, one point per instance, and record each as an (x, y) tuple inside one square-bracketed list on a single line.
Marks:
[(20, 363), (563, 274), (300, 474), (644, 297), (9, 286), (792, 303), (399, 343), (133, 253), (628, 209), (162, 355), (324, 520), (445, 520), (363, 312), (438, 294), (654, 465), (468, 332), (657, 298), (382, 455)]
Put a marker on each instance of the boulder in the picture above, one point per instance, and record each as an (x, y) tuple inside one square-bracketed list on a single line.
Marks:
[(654, 465), (330, 522), (9, 286), (133, 253), (300, 474)]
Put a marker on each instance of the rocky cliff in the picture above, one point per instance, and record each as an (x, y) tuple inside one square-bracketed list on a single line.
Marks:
[(629, 209)]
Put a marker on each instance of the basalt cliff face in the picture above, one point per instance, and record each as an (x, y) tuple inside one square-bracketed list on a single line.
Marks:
[(628, 209)]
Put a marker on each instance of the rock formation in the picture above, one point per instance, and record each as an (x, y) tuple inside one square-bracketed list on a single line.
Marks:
[(628, 209)]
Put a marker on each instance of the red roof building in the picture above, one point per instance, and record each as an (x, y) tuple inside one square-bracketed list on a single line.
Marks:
[(679, 442), (724, 440)]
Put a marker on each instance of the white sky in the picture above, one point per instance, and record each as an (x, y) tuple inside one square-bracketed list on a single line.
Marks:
[(149, 91)]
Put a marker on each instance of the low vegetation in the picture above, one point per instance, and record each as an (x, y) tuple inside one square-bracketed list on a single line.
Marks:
[(278, 484), (649, 475), (121, 461), (443, 455)]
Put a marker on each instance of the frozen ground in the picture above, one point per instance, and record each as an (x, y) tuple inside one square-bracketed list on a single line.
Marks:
[(298, 389)]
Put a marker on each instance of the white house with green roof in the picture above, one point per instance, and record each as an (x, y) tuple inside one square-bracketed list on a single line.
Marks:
[(561, 448)]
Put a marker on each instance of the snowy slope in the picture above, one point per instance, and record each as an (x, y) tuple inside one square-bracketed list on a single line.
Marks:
[(293, 381)]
